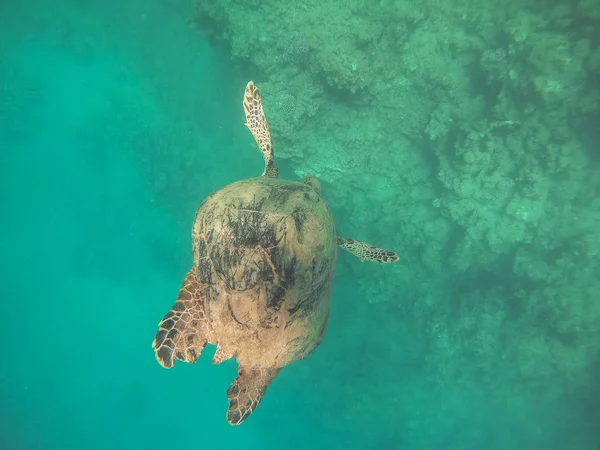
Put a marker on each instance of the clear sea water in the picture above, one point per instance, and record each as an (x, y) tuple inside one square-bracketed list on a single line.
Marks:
[(116, 120)]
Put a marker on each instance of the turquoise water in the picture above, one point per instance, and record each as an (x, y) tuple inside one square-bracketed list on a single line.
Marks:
[(472, 152)]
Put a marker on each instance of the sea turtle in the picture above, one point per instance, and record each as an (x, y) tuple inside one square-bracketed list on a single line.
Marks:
[(264, 252)]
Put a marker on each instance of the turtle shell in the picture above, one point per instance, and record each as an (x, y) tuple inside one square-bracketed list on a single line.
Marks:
[(267, 250)]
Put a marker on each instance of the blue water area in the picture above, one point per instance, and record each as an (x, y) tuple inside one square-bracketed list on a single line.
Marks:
[(116, 120), (92, 259)]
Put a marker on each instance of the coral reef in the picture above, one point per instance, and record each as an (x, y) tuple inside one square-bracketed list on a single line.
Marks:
[(460, 133)]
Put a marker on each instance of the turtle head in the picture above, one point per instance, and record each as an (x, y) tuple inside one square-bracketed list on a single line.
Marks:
[(313, 182)]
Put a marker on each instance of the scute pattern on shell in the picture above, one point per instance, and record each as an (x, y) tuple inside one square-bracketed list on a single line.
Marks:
[(267, 247)]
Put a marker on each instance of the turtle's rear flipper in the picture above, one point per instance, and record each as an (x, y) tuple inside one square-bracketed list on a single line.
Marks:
[(182, 333), (257, 124), (367, 252), (246, 392)]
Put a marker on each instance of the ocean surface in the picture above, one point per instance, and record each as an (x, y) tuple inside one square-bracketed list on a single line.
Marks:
[(464, 136)]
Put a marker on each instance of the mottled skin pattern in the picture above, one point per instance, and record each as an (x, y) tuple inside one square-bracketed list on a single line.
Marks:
[(247, 391), (258, 126), (183, 331), (367, 252)]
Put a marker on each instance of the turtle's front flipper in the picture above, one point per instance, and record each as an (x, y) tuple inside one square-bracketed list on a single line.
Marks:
[(246, 392), (367, 252), (257, 124), (182, 333)]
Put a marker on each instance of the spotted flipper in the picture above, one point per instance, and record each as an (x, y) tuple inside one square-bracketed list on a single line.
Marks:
[(366, 252), (220, 355), (246, 392), (257, 124), (182, 333)]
